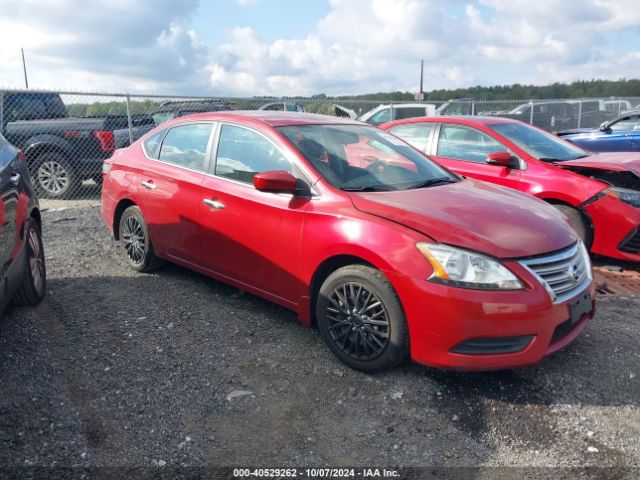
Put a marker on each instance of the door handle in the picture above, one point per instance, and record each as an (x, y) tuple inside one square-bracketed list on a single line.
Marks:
[(213, 203), (149, 185), (15, 178)]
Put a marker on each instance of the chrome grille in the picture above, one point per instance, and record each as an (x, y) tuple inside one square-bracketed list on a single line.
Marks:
[(564, 273)]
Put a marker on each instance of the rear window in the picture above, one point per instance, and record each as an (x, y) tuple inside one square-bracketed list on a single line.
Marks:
[(409, 112), (152, 144), (416, 134), (31, 106)]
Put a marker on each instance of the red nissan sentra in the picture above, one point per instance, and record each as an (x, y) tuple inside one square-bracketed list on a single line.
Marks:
[(399, 258)]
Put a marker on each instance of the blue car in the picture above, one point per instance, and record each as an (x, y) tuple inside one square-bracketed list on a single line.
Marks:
[(621, 134)]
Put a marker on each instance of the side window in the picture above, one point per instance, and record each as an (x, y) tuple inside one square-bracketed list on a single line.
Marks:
[(242, 153), (26, 107), (416, 134), (186, 145), (380, 117), (626, 123), (152, 144), (465, 143), (409, 112)]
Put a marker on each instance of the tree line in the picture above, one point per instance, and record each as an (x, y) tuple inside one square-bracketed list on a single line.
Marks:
[(579, 89)]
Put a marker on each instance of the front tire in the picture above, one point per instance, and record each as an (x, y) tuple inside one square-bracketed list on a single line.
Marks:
[(34, 279), (135, 241), (361, 319)]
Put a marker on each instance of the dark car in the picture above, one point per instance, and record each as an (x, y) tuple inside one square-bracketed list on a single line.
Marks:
[(169, 110), (621, 134), (22, 266), (61, 151)]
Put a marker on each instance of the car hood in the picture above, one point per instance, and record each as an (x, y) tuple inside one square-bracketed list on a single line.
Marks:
[(575, 132), (475, 215), (612, 161)]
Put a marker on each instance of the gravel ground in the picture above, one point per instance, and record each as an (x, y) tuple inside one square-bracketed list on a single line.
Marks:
[(117, 368)]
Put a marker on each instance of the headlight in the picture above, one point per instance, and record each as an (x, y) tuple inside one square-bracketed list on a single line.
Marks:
[(632, 197), (462, 268)]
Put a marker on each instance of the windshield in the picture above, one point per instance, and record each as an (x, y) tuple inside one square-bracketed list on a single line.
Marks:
[(161, 117), (361, 158), (538, 143)]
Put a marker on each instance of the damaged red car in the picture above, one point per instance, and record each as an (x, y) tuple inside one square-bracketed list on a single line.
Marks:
[(598, 192)]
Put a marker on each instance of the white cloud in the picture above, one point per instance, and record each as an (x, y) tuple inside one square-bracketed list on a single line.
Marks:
[(116, 44), (358, 46)]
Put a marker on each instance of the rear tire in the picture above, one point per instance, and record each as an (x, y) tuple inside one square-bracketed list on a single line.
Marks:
[(54, 177), (578, 222), (135, 241), (34, 280), (361, 319)]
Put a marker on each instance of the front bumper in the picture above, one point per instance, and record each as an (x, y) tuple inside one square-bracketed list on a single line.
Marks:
[(441, 318), (614, 224)]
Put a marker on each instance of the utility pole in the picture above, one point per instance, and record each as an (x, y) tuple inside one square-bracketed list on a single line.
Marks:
[(24, 68), (420, 94)]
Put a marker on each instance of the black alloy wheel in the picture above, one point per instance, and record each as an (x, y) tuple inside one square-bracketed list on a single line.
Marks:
[(357, 321), (361, 319), (136, 242)]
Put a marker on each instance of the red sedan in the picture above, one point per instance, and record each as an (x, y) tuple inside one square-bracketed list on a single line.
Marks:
[(599, 193), (400, 258)]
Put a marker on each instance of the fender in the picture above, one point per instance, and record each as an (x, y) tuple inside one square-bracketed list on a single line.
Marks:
[(45, 141)]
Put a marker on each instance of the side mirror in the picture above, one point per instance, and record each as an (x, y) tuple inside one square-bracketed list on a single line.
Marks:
[(275, 181), (604, 126), (502, 159)]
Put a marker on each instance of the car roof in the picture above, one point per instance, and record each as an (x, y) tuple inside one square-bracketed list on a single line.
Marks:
[(273, 118), (459, 119)]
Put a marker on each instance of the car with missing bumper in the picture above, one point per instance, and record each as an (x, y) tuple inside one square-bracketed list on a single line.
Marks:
[(22, 263), (599, 193), (388, 253)]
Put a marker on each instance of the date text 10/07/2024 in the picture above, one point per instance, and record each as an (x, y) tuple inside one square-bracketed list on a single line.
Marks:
[(315, 473)]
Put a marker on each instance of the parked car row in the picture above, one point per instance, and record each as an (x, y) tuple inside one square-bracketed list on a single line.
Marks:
[(401, 241)]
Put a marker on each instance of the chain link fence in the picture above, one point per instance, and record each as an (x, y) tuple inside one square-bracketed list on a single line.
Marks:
[(66, 136)]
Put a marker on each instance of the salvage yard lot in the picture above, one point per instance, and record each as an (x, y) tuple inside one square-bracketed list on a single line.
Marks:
[(126, 369)]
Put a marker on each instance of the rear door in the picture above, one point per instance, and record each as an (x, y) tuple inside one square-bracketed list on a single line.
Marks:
[(248, 235), (170, 189), (10, 188), (464, 150)]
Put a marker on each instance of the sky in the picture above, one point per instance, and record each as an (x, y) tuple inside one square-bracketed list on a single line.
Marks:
[(307, 47)]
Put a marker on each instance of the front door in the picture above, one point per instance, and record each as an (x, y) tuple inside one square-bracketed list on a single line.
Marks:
[(248, 235), (465, 149)]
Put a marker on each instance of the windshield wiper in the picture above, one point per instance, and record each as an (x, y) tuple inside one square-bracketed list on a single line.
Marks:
[(379, 188), (432, 181)]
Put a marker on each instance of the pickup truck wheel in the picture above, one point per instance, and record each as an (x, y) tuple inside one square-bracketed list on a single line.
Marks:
[(54, 177), (578, 222)]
